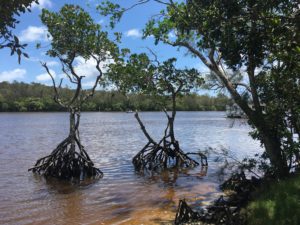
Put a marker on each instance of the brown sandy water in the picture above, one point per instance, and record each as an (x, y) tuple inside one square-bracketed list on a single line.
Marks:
[(111, 139)]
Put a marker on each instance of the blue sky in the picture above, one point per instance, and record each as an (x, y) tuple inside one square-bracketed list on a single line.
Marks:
[(31, 31)]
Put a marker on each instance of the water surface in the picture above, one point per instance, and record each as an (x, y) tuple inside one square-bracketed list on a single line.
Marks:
[(111, 139)]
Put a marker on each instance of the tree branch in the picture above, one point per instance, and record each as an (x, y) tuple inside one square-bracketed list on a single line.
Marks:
[(191, 49), (136, 115), (244, 85), (56, 96)]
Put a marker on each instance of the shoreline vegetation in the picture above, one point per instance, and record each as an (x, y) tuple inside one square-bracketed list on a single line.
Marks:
[(277, 202), (35, 97), (263, 201)]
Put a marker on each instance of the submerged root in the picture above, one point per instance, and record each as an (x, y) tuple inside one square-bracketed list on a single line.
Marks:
[(157, 156), (164, 154), (66, 163)]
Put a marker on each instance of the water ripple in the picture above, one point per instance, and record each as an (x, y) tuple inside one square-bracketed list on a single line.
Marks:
[(111, 139)]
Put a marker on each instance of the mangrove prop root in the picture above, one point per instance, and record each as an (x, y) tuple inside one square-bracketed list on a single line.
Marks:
[(185, 214), (157, 156), (66, 163), (202, 157), (69, 160), (160, 155), (221, 213)]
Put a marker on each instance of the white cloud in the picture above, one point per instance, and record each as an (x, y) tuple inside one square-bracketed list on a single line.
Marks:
[(42, 4), (201, 68), (52, 63), (88, 84), (49, 63), (45, 76), (135, 33), (12, 75), (88, 69), (100, 21), (33, 33), (172, 35)]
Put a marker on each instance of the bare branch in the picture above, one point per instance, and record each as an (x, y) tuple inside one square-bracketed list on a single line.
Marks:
[(91, 93), (180, 86), (56, 96), (60, 83), (191, 49), (165, 3), (77, 81), (242, 84), (140, 2), (136, 115), (155, 55), (165, 111), (68, 75)]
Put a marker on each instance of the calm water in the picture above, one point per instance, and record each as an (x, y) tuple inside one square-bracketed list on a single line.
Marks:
[(111, 139)]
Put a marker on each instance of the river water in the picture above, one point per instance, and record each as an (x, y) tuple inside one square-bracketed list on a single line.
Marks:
[(111, 139)]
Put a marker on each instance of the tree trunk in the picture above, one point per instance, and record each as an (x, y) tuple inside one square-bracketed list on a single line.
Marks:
[(65, 162), (274, 151), (172, 119), (72, 133), (171, 124), (271, 143)]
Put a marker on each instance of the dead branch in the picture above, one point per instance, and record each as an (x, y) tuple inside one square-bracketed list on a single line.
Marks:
[(56, 93)]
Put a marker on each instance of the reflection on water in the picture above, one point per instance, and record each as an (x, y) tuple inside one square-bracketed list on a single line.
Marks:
[(111, 139)]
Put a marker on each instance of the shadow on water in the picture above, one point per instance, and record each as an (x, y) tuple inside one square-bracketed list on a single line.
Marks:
[(169, 177), (58, 186)]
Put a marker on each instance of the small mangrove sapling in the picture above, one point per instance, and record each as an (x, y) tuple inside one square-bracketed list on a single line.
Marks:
[(74, 36), (141, 74)]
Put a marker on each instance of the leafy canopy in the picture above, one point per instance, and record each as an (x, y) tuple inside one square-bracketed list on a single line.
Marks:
[(140, 74), (74, 34), (9, 10)]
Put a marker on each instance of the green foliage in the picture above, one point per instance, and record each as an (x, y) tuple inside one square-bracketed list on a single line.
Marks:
[(74, 33), (279, 89), (234, 27), (9, 10), (133, 75), (18, 97), (140, 74), (106, 7), (277, 204), (168, 79)]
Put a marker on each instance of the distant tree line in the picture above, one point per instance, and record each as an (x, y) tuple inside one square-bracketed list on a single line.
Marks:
[(36, 97)]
